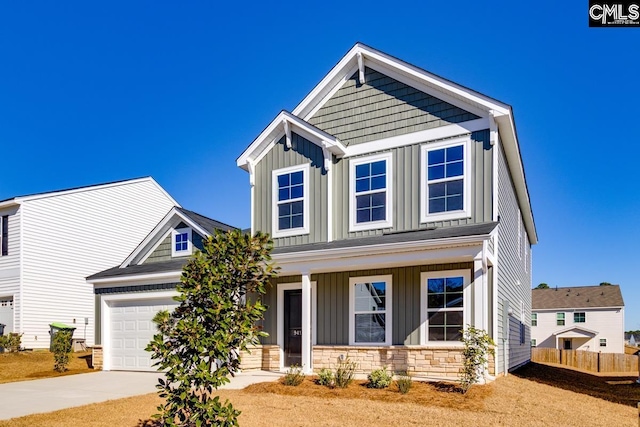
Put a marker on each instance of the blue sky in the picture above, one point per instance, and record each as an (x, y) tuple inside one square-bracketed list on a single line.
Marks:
[(96, 92)]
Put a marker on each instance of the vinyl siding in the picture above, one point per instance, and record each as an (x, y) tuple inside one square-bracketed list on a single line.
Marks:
[(71, 236), (406, 190), (382, 108), (10, 264), (302, 152), (514, 284), (163, 251), (333, 303)]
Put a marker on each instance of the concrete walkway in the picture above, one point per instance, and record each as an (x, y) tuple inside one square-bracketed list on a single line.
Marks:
[(51, 394)]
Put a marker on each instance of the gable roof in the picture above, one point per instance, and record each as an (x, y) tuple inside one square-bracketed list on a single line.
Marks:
[(576, 297), (575, 330), (35, 196), (361, 56), (203, 225)]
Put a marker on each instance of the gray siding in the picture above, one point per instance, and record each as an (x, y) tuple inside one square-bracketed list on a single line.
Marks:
[(511, 270), (163, 251), (302, 151), (406, 190), (333, 303), (382, 108)]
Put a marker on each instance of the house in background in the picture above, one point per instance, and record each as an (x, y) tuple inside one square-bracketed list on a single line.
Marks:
[(400, 213), (578, 318), (128, 296), (51, 241)]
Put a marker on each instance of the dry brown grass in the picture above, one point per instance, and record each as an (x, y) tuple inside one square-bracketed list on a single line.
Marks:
[(25, 366), (511, 401)]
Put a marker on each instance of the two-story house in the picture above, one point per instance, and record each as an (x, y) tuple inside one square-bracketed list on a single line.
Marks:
[(128, 296), (578, 318), (400, 213), (50, 242)]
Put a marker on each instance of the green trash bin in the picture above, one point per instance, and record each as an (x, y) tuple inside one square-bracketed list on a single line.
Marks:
[(55, 328)]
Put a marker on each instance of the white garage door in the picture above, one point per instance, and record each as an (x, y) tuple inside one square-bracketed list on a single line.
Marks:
[(6, 313), (132, 329)]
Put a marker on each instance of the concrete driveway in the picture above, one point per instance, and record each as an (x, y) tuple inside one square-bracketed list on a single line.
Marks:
[(51, 394)]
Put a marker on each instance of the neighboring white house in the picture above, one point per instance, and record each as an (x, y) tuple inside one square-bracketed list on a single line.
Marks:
[(51, 241), (579, 318)]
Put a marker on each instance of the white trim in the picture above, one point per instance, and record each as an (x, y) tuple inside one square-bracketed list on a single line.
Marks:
[(442, 132), (275, 232), (519, 235), (425, 216), (280, 288), (178, 231), (373, 225), (388, 279), (467, 302), (170, 275), (106, 302), (330, 204), (21, 279)]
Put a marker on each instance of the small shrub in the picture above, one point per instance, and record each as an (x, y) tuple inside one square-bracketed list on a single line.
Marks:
[(379, 378), (11, 342), (404, 382), (477, 346), (325, 377), (61, 350), (344, 373), (294, 376)]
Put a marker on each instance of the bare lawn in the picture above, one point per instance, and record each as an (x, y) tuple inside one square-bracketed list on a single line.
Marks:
[(537, 395), (31, 365)]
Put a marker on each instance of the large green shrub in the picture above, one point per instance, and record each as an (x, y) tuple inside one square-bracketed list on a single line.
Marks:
[(477, 347), (61, 350), (199, 344)]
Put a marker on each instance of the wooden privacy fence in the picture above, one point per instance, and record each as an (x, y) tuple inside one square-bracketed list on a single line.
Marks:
[(587, 360)]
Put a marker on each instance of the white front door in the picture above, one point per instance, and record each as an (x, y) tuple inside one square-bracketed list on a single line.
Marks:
[(6, 314), (132, 329)]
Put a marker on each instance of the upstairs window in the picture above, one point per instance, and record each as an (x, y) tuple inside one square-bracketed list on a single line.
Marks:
[(181, 242), (445, 176), (534, 319), (370, 188), (291, 201), (559, 319), (580, 317), (4, 235)]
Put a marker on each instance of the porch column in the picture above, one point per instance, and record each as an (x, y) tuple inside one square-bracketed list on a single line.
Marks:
[(306, 323), (480, 294)]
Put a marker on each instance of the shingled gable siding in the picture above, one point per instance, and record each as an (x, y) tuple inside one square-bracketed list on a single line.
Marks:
[(406, 190), (301, 152), (511, 271), (333, 303), (381, 108)]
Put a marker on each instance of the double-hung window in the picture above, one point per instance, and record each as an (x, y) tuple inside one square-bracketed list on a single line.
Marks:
[(291, 201), (370, 192), (445, 180), (559, 319), (370, 310), (534, 319), (442, 299), (4, 235), (181, 242)]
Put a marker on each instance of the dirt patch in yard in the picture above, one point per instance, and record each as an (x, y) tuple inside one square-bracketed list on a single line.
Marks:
[(31, 365), (623, 390)]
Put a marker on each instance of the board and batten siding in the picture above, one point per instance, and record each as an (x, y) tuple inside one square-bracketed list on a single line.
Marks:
[(10, 264), (332, 319), (68, 237), (301, 152), (514, 281), (406, 190), (380, 108)]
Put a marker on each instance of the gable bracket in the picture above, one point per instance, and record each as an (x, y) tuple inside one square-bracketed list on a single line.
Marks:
[(252, 172), (287, 132), (327, 156), (361, 67), (493, 128)]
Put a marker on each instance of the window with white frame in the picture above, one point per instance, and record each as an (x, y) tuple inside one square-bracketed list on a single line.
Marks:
[(370, 190), (603, 342), (291, 201), (181, 242), (534, 319), (443, 310), (579, 317), (534, 342), (519, 235), (370, 310), (559, 319), (526, 252), (445, 180)]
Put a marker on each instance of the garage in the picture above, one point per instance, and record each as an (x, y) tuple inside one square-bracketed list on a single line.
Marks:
[(131, 329), (6, 313)]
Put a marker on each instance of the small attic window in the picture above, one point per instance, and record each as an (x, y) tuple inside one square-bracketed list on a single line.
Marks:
[(181, 242)]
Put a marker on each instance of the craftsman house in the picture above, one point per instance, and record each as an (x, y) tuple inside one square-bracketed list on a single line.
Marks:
[(578, 318), (49, 243), (400, 213)]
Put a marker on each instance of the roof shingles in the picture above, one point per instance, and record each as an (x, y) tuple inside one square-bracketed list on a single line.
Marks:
[(577, 297)]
